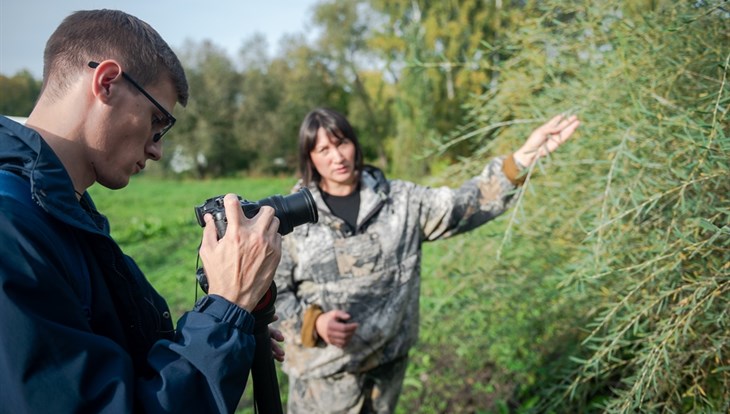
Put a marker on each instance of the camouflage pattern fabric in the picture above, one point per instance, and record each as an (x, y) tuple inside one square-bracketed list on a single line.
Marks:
[(373, 273), (375, 391)]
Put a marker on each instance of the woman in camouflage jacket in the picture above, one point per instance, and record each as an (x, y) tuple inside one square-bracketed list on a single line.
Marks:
[(348, 286)]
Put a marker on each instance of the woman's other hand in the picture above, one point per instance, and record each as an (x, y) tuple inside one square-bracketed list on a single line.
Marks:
[(546, 139)]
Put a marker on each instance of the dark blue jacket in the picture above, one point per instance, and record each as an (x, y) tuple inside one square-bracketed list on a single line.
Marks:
[(120, 355)]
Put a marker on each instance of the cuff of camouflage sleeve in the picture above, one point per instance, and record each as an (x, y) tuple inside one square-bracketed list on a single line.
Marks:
[(309, 331), (512, 171)]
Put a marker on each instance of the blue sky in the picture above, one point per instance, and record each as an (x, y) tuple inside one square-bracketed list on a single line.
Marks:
[(25, 25)]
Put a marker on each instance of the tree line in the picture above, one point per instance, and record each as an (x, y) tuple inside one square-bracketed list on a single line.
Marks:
[(403, 72)]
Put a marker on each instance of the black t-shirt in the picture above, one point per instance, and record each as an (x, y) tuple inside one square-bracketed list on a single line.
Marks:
[(344, 207)]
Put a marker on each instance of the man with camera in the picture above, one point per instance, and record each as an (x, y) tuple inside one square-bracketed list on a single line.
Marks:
[(81, 328)]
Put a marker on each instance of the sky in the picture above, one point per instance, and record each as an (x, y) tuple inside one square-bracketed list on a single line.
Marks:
[(25, 25)]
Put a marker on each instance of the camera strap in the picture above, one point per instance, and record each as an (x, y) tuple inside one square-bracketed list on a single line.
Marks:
[(16, 187)]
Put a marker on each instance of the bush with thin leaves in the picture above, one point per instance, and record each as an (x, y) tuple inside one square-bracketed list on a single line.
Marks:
[(611, 288)]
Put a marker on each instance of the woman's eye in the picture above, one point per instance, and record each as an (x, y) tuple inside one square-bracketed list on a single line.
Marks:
[(156, 120)]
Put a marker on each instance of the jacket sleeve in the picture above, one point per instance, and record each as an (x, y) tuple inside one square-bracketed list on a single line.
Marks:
[(51, 360), (206, 367), (445, 212), (288, 306)]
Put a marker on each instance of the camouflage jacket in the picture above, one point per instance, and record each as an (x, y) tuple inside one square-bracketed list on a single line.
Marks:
[(373, 273)]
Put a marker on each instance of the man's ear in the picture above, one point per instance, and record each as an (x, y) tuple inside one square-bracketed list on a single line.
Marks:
[(106, 77)]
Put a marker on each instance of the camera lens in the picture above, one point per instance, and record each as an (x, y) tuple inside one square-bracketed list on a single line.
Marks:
[(292, 210)]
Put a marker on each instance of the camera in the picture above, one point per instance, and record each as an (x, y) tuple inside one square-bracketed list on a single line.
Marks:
[(291, 210)]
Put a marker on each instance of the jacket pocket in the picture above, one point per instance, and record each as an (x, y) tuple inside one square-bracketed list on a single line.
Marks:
[(360, 255)]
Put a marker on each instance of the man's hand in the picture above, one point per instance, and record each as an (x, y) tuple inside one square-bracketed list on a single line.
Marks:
[(240, 266), (332, 328), (546, 139)]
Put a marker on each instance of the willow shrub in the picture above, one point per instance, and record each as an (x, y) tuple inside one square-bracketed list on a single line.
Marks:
[(606, 288)]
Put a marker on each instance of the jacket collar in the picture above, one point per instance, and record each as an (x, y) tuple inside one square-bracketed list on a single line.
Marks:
[(374, 192), (23, 151)]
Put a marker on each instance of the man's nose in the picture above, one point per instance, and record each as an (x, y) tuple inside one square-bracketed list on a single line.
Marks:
[(154, 150)]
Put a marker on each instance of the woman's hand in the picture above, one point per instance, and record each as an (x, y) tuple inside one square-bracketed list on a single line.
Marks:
[(546, 139), (276, 337), (332, 328)]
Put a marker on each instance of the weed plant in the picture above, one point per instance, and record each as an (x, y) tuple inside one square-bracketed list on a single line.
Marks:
[(606, 288)]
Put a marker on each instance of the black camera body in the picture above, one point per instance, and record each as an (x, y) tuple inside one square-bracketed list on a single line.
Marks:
[(291, 210)]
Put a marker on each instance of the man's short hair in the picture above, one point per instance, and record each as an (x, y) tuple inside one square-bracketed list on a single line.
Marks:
[(96, 35)]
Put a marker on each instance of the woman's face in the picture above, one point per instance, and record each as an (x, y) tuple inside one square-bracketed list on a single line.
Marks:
[(334, 160)]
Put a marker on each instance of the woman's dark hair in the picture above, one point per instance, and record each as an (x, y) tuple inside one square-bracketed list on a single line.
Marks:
[(337, 127)]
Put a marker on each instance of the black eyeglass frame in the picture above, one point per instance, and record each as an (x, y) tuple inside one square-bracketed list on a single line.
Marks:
[(170, 119)]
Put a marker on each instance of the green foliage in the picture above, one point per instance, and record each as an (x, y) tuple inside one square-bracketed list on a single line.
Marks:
[(346, 29), (439, 41), (610, 293), (275, 101), (204, 137), (18, 93), (659, 239), (248, 120)]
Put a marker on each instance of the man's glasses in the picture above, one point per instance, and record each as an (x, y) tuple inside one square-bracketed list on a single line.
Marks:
[(169, 120)]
